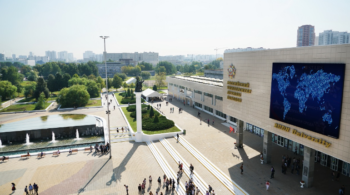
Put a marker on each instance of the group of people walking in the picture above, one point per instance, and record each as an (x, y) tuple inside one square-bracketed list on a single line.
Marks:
[(32, 189), (122, 129), (102, 148)]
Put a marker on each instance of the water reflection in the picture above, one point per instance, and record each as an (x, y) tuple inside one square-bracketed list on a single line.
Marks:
[(44, 118), (73, 116)]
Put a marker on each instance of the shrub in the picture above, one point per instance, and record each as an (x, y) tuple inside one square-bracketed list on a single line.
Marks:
[(129, 100), (133, 114), (148, 124), (151, 113), (156, 120), (154, 88), (132, 108), (148, 107)]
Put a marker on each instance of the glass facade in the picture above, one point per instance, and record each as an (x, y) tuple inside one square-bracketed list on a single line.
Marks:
[(198, 104), (220, 114), (208, 109), (232, 119), (254, 129)]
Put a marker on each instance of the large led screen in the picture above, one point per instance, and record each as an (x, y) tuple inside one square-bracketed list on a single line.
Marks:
[(308, 96)]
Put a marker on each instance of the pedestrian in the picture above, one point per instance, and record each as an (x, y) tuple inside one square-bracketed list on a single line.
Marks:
[(272, 172), (164, 177), (200, 121), (210, 188), (150, 180), (26, 190), (191, 168), (267, 185), (13, 187), (150, 193), (127, 189), (177, 135), (30, 189), (139, 188), (241, 169), (159, 181), (36, 188)]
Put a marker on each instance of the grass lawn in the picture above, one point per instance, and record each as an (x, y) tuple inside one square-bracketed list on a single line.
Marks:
[(119, 97), (92, 103), (133, 125), (22, 107), (52, 97), (28, 100)]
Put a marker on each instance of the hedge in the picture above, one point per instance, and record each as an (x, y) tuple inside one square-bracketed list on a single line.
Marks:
[(129, 100), (133, 114), (132, 108), (164, 123)]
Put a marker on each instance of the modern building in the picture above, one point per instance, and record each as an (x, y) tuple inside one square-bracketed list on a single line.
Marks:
[(70, 57), (150, 57), (329, 37), (282, 96), (2, 57), (22, 57), (306, 36), (216, 74), (13, 57), (112, 69), (52, 55)]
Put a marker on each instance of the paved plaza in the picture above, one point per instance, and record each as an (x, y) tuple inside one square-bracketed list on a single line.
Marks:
[(90, 173)]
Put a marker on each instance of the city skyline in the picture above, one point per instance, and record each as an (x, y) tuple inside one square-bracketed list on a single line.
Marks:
[(184, 29)]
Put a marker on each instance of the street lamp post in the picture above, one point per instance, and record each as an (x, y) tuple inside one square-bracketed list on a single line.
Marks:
[(108, 111)]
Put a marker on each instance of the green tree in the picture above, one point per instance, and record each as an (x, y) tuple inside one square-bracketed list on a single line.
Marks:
[(156, 120), (92, 77), (29, 90), (84, 76), (128, 93), (132, 94), (170, 68), (51, 83), (125, 85), (75, 95), (11, 74), (122, 76), (66, 78), (32, 76), (25, 69), (132, 85), (154, 87), (58, 81), (93, 89), (151, 112), (145, 75), (41, 87), (117, 81), (76, 76), (101, 82), (40, 104), (7, 90), (145, 66), (160, 78), (19, 89)]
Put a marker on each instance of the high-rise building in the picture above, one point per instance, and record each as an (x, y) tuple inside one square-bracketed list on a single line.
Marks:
[(329, 37), (306, 36), (63, 56), (13, 57), (24, 57), (2, 57), (52, 55), (70, 57)]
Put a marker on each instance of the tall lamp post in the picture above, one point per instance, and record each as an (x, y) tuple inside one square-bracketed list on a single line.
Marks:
[(108, 111)]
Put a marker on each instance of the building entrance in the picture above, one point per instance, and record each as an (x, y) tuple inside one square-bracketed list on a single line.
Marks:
[(334, 164), (324, 159)]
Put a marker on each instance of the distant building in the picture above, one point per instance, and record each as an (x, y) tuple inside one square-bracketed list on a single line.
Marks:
[(329, 37), (40, 59), (13, 57), (306, 36), (243, 49), (52, 55), (216, 74), (150, 57), (63, 56), (70, 57), (112, 69), (2, 57), (22, 57), (128, 62)]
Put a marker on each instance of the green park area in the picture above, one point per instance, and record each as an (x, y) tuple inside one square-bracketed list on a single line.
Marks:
[(152, 121), (23, 107), (126, 97), (93, 103)]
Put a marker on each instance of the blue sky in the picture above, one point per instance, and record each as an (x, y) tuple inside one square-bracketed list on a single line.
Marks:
[(169, 27)]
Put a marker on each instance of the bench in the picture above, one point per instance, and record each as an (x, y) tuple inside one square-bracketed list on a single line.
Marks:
[(39, 155), (55, 154), (74, 150), (25, 156), (88, 149)]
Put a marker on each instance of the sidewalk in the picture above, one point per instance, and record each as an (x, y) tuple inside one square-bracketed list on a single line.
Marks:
[(217, 144)]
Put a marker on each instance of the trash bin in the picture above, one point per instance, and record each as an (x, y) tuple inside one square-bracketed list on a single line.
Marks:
[(184, 132)]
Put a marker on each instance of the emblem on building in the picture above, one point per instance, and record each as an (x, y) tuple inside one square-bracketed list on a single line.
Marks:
[(231, 71)]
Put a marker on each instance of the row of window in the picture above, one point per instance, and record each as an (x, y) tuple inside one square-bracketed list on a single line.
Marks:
[(208, 94), (198, 104), (199, 92), (182, 87), (218, 113), (218, 97), (208, 109)]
